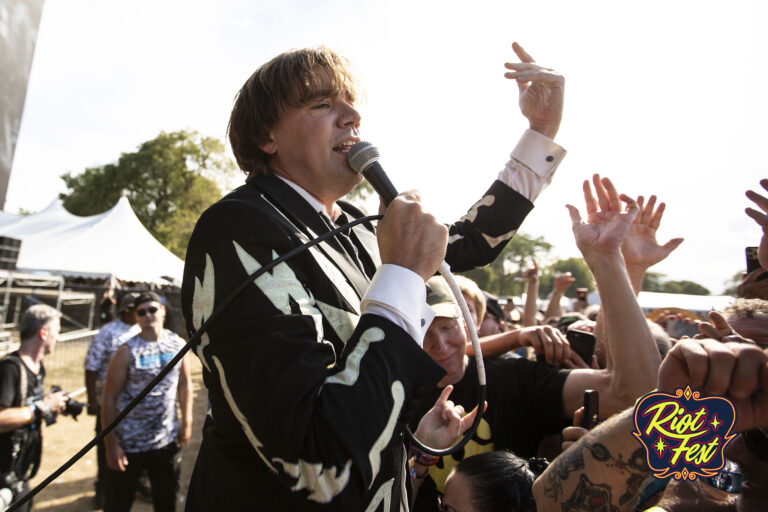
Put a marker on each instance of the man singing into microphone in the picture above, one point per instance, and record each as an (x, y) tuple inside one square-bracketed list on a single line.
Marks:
[(314, 368)]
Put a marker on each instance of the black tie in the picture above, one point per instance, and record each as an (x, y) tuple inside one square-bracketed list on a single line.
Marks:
[(344, 239)]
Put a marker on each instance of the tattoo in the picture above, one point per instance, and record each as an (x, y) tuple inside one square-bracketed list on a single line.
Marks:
[(590, 497), (633, 486), (567, 462)]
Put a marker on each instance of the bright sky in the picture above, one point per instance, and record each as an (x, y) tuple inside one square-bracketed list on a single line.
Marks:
[(663, 97)]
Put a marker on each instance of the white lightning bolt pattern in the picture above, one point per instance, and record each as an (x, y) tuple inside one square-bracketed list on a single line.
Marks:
[(383, 494), (280, 286), (472, 213), (202, 305), (351, 372), (240, 416), (374, 456), (343, 322), (323, 483), (494, 241)]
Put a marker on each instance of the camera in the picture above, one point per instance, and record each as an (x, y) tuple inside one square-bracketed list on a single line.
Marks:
[(71, 407)]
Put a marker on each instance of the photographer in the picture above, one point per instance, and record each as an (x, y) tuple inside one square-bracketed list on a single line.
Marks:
[(23, 406)]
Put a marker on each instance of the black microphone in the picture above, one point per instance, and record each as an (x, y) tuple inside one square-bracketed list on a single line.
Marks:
[(363, 157)]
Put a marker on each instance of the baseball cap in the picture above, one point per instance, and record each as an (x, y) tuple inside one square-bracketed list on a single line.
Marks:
[(147, 297), (127, 301), (492, 306), (440, 297)]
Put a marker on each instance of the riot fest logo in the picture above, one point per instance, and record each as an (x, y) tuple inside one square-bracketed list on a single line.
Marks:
[(684, 435)]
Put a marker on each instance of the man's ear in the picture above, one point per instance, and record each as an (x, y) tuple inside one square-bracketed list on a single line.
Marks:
[(269, 147)]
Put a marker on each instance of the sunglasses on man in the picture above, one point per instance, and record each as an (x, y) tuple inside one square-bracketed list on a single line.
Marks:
[(142, 312)]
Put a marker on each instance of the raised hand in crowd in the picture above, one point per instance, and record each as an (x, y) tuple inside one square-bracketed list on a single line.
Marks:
[(531, 275), (718, 329), (562, 283), (444, 422), (762, 220), (441, 427), (751, 288), (640, 248), (632, 357), (541, 92), (607, 225)]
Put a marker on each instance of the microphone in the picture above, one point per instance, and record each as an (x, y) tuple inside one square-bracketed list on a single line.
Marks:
[(363, 157)]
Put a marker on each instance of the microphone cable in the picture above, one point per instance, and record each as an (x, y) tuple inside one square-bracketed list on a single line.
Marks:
[(193, 340), (363, 158)]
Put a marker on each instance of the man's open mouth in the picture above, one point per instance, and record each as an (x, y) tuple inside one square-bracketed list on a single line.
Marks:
[(344, 146)]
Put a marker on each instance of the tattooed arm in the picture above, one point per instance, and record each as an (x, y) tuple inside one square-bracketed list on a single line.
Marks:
[(602, 471)]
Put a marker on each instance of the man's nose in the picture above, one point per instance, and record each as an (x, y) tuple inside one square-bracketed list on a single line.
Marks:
[(350, 116)]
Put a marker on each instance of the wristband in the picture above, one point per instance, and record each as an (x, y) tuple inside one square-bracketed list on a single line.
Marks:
[(412, 470), (423, 458)]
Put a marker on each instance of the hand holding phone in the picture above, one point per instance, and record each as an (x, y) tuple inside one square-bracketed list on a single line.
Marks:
[(591, 409)]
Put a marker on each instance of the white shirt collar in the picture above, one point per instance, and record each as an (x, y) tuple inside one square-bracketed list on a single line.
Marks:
[(312, 200)]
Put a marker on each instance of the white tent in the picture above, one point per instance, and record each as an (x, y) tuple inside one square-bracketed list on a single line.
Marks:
[(112, 243)]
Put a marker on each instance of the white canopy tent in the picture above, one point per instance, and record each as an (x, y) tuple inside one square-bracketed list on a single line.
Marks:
[(113, 243)]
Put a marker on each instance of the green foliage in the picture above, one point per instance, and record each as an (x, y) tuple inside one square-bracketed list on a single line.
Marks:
[(732, 283), (360, 193), (499, 276), (578, 269), (168, 180), (656, 282), (686, 287)]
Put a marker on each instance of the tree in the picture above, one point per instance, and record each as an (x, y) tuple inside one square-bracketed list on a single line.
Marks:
[(653, 282), (168, 180), (656, 282), (499, 276), (360, 193), (686, 287), (578, 269)]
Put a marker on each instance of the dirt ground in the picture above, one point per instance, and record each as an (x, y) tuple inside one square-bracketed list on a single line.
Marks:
[(73, 491)]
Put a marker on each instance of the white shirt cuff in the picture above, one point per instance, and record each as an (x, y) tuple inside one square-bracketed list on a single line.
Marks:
[(532, 164), (399, 295)]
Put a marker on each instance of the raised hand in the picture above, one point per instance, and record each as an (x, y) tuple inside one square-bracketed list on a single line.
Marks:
[(640, 247), (532, 274), (541, 92), (762, 219), (444, 422), (719, 329), (606, 225), (563, 282)]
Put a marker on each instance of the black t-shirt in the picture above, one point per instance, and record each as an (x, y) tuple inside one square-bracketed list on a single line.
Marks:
[(10, 397), (525, 404)]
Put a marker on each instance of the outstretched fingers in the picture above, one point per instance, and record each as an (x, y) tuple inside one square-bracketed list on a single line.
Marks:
[(589, 198), (521, 53), (575, 215)]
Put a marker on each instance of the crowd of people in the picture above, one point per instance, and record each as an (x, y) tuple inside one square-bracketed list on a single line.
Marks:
[(321, 364)]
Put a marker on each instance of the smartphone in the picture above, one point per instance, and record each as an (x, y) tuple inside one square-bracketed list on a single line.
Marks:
[(591, 409), (582, 342), (753, 263)]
